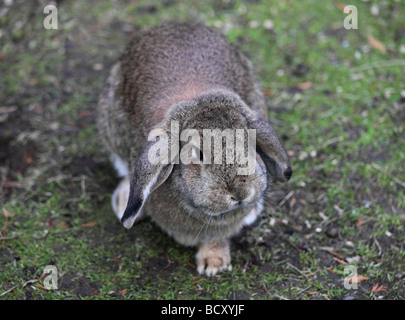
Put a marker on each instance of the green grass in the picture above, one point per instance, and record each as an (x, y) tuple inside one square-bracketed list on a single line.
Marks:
[(343, 130)]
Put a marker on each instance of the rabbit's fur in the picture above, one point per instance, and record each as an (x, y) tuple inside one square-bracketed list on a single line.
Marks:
[(189, 74)]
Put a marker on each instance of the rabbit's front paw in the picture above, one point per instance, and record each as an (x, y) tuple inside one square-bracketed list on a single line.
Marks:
[(213, 257)]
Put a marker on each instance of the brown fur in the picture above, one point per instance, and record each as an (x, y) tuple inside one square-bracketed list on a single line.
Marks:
[(191, 74)]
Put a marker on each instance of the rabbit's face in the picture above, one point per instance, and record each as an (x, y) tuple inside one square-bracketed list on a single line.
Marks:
[(215, 189), (225, 172)]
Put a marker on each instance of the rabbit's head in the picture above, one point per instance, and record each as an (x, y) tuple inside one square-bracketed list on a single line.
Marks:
[(216, 151)]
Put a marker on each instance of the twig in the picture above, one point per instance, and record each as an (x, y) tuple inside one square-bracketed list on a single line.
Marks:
[(58, 178), (327, 221), (22, 285), (7, 215), (264, 287), (332, 140), (281, 297), (292, 244), (295, 268), (5, 292), (13, 235), (380, 64), (339, 260), (288, 196), (301, 291), (379, 168), (83, 186), (378, 246), (29, 282), (332, 252)]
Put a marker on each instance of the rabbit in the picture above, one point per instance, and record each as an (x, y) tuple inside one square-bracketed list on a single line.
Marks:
[(188, 74)]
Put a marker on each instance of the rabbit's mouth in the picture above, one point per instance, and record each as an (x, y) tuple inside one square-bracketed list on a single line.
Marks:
[(221, 212), (229, 205)]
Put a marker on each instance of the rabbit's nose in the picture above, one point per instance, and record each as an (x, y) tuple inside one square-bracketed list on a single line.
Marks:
[(235, 199), (240, 196)]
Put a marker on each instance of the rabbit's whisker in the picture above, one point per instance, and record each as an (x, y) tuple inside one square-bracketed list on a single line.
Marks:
[(206, 222)]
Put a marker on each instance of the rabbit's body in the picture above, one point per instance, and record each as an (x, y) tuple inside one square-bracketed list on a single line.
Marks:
[(190, 75)]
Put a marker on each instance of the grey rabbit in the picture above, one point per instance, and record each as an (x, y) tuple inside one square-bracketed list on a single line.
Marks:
[(190, 75)]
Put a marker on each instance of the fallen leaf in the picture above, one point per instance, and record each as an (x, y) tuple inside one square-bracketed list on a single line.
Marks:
[(376, 44), (27, 158), (12, 184), (339, 260), (375, 86), (85, 113), (32, 82), (8, 109), (305, 85), (40, 285), (90, 224), (340, 5), (267, 92), (377, 288), (63, 225), (7, 214), (357, 279)]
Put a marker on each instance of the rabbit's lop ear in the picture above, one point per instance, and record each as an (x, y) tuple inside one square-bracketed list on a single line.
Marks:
[(148, 174), (270, 149)]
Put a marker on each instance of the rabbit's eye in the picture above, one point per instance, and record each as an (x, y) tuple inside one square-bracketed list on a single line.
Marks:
[(201, 157)]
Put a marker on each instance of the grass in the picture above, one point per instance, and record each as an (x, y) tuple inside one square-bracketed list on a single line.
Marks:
[(335, 98)]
